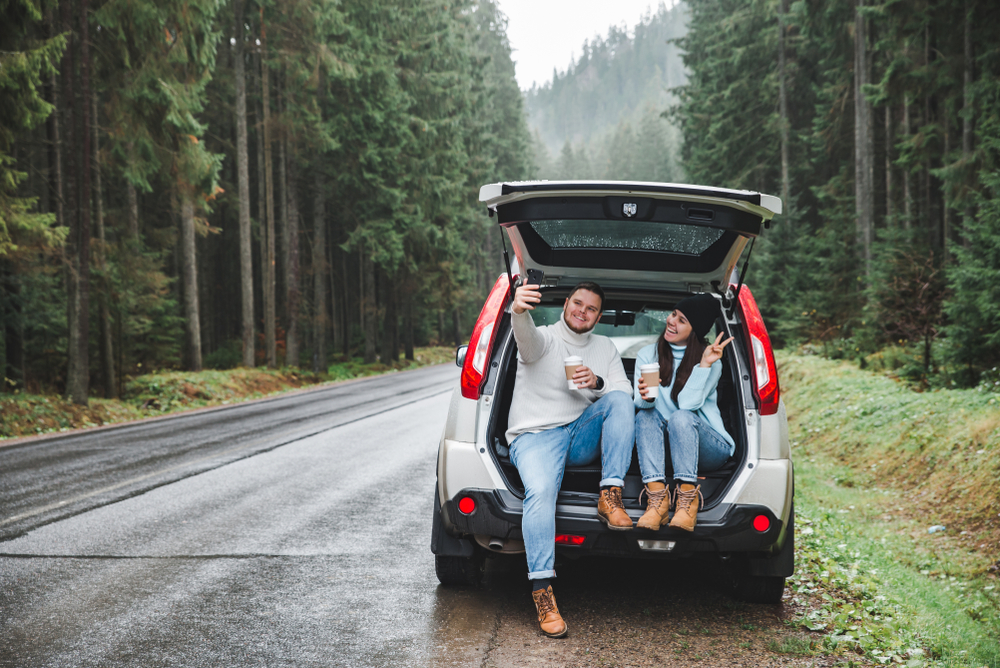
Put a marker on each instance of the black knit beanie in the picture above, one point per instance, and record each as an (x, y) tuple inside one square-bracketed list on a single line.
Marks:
[(701, 311)]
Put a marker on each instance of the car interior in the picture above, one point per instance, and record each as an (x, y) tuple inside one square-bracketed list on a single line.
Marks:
[(632, 325)]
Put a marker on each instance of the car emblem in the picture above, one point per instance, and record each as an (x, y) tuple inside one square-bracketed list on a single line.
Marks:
[(629, 209)]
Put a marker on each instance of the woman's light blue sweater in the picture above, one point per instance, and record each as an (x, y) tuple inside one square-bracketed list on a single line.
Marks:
[(699, 394)]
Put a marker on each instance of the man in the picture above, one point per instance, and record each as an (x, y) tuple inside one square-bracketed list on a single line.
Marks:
[(551, 426)]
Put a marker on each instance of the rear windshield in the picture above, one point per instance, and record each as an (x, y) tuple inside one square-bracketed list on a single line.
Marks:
[(628, 339), (627, 234)]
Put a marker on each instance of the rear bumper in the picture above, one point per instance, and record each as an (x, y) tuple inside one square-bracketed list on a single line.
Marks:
[(723, 530)]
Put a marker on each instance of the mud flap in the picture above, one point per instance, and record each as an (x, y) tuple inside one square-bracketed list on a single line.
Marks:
[(781, 564), (441, 543)]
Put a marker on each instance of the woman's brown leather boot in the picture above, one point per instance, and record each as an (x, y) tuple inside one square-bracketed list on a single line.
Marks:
[(657, 506), (686, 499)]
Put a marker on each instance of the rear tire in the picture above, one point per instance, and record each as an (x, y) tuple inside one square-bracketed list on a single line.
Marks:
[(759, 588), (460, 571)]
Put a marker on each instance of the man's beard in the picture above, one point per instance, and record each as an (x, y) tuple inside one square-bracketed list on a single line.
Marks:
[(573, 328)]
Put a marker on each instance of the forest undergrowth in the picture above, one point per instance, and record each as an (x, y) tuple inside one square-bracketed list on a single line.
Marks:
[(896, 516), (165, 392)]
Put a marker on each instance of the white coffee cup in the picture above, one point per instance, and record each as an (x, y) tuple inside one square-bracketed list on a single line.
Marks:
[(570, 364), (651, 374)]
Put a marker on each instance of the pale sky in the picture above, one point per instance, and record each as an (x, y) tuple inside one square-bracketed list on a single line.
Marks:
[(547, 34)]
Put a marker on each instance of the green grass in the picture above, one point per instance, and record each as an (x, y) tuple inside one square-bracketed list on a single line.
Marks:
[(792, 645), (877, 465), (166, 392)]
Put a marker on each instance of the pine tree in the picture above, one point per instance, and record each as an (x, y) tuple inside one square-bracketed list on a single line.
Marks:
[(169, 51), (26, 60), (974, 308)]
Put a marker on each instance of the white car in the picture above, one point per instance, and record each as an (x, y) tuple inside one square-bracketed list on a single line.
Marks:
[(648, 245)]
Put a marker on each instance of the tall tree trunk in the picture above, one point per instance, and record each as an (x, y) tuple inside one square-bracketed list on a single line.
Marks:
[(86, 196), (52, 128), (783, 103), (925, 196), (390, 349), (243, 187), (907, 174), (320, 320), (133, 248), (107, 341), (281, 251), (890, 205), (78, 375), (945, 209), (74, 385), (270, 343), (456, 333), (261, 194), (967, 108), (133, 214), (408, 326), (81, 385), (13, 328), (189, 272), (369, 308), (292, 287), (406, 294), (339, 306), (864, 172), (56, 156)]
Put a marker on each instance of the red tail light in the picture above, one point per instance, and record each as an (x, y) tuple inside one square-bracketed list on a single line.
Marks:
[(467, 505), (761, 523), (481, 343), (567, 539), (765, 377)]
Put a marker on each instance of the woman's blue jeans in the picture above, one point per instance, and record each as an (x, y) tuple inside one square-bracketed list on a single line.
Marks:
[(606, 428), (694, 445)]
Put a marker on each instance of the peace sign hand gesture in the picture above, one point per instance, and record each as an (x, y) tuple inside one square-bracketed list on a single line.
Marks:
[(713, 353)]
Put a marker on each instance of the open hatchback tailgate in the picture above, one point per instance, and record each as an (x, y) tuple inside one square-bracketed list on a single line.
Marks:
[(676, 237)]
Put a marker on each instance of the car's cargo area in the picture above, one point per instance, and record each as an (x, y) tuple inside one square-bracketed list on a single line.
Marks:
[(581, 483)]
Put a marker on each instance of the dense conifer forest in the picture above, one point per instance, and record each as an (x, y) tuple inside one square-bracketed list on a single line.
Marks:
[(191, 183), (877, 123), (199, 183), (879, 126)]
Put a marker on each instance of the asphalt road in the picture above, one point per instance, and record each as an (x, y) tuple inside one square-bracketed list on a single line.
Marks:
[(295, 532), (288, 532)]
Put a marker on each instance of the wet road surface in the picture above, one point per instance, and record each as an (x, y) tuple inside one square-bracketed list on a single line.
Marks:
[(295, 532), (312, 552)]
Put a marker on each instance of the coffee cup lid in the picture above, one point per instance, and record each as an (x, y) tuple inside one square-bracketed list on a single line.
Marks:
[(573, 359)]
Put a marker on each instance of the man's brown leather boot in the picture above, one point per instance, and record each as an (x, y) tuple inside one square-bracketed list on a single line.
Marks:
[(549, 620), (686, 498), (657, 506), (611, 511)]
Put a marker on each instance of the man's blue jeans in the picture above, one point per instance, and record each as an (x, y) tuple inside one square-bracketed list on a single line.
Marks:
[(606, 427), (694, 445)]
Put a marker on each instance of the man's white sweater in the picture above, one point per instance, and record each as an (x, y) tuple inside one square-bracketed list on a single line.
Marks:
[(541, 398)]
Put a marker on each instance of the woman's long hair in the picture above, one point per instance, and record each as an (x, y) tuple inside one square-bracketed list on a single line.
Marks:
[(692, 355)]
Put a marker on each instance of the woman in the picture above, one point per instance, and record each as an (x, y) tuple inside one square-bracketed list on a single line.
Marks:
[(685, 408)]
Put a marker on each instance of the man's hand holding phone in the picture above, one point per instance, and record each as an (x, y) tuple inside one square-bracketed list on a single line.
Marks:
[(527, 296)]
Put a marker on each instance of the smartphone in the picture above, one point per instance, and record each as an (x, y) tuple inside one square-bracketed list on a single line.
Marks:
[(534, 277)]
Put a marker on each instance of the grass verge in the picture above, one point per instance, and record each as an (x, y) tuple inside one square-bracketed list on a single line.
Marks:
[(896, 516), (166, 392)]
